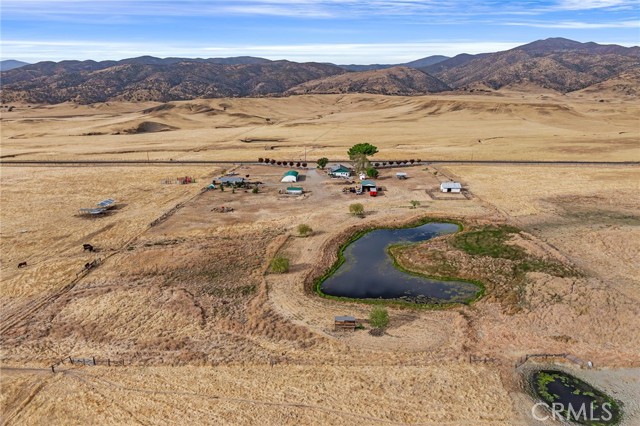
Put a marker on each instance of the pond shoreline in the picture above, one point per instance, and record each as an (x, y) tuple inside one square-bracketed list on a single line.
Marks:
[(339, 244)]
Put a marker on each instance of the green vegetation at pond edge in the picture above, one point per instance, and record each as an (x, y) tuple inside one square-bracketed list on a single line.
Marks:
[(563, 389), (493, 241), (489, 241), (359, 234)]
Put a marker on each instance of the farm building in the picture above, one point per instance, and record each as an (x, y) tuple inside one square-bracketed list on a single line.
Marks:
[(290, 176), (450, 187), (295, 190), (345, 323), (368, 185), (231, 180), (338, 170)]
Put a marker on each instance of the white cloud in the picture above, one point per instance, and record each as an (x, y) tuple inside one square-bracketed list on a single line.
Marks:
[(32, 50), (575, 25), (596, 4)]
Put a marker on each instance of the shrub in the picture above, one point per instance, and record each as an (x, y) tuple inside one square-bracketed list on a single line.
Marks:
[(273, 161), (304, 230), (414, 203), (279, 265), (255, 189), (379, 317), (372, 172), (356, 209)]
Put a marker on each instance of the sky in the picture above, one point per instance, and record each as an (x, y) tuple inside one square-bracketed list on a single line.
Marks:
[(338, 31)]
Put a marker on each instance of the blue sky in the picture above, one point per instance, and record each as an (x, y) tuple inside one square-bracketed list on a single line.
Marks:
[(339, 31)]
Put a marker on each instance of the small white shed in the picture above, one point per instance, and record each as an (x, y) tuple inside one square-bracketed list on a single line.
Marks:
[(450, 187)]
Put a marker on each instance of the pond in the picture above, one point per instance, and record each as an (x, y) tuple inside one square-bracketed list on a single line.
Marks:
[(573, 399), (368, 271)]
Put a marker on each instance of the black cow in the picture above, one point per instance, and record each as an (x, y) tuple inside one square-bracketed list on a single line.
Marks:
[(87, 247), (22, 265)]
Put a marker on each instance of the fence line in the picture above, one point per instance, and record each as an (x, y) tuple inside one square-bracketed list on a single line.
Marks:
[(93, 361)]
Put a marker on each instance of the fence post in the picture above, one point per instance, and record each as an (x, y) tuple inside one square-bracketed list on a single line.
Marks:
[(94, 360), (53, 369)]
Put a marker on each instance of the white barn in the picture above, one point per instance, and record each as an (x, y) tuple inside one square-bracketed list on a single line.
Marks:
[(450, 187)]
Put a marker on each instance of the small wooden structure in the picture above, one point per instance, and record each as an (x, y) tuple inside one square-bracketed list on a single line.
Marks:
[(345, 323)]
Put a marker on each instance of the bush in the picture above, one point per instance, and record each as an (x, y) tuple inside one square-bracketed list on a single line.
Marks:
[(304, 230), (356, 209), (279, 265), (414, 203), (379, 317), (372, 172)]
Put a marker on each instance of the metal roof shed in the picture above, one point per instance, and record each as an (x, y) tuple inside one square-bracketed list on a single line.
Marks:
[(450, 187), (367, 185), (290, 176), (232, 180), (295, 190)]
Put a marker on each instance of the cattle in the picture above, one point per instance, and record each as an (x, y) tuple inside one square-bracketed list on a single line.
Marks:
[(22, 265)]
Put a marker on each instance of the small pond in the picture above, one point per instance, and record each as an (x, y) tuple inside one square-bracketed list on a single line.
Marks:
[(368, 271), (574, 399)]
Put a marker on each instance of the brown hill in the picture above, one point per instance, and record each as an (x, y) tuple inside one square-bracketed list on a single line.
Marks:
[(390, 81), (624, 84), (558, 64), (82, 83)]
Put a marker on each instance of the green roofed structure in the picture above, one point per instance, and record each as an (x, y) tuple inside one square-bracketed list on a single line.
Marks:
[(295, 190), (290, 176)]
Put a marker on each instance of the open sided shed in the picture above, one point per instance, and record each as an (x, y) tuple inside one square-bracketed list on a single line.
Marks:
[(368, 185), (231, 180)]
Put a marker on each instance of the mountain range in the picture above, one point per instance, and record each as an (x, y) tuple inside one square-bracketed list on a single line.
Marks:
[(555, 64)]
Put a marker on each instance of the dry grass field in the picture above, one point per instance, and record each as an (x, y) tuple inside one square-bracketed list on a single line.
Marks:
[(209, 336), (505, 126)]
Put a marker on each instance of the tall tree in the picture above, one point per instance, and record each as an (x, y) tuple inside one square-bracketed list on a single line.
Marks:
[(359, 153)]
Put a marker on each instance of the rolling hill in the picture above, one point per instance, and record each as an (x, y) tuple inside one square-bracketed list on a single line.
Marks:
[(555, 64), (558, 64), (389, 81)]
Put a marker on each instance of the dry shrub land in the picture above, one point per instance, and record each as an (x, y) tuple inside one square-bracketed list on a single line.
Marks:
[(210, 336)]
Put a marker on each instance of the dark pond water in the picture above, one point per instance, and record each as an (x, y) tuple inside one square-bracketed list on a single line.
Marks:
[(368, 271), (576, 399)]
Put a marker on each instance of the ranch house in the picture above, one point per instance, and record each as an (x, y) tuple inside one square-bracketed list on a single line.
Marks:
[(338, 170)]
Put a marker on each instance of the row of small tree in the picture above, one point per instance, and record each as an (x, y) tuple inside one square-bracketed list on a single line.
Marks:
[(399, 162), (281, 163)]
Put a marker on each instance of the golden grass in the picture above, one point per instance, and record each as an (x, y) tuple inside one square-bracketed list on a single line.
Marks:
[(188, 303)]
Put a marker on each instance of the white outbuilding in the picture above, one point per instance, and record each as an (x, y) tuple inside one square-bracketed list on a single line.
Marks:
[(450, 187), (290, 176)]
